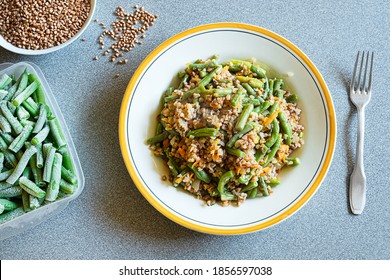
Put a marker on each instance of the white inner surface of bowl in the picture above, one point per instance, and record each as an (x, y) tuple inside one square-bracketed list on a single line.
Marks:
[(229, 44)]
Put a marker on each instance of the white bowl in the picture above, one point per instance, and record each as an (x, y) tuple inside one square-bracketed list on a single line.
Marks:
[(6, 45), (240, 41)]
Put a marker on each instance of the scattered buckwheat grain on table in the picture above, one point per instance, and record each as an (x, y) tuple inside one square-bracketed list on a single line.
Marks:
[(127, 31), (41, 24)]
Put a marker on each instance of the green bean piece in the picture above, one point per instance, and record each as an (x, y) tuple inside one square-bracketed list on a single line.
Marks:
[(274, 134), (248, 127), (252, 185), (11, 91), (171, 98), (5, 80), (1, 161), (181, 74), (31, 106), (22, 113), (25, 93), (236, 152), (11, 107), (5, 174), (8, 216), (235, 100), (67, 187), (217, 92), (278, 84), (244, 179), (54, 185), (260, 72), (41, 136), (24, 123), (7, 138), (15, 124), (10, 158), (158, 138), (293, 161), (31, 188), (57, 133), (68, 175), (273, 108), (263, 186), (264, 107), (66, 159), (10, 192), (200, 174), (42, 117), (266, 89), (30, 151), (260, 153), (48, 167), (249, 89), (206, 80), (189, 93), (273, 151), (253, 82), (274, 182), (33, 202), (39, 91), (8, 204), (271, 83), (4, 124), (183, 81), (34, 168), (3, 94), (40, 160), (279, 93), (241, 62), (19, 141), (1, 209), (46, 149), (235, 68), (22, 83), (293, 98), (203, 73), (221, 185), (256, 83), (286, 127), (257, 109), (225, 81), (159, 128), (253, 193), (243, 118), (201, 66), (203, 132), (254, 101), (4, 185), (172, 167)]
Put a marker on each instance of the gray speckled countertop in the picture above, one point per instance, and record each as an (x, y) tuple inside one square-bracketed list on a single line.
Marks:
[(111, 219)]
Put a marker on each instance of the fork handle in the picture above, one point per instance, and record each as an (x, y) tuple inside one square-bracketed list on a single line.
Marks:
[(357, 185)]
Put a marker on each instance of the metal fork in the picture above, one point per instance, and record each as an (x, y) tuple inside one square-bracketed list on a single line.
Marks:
[(360, 96)]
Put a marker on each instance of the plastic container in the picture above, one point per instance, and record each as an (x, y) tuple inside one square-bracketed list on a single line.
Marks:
[(35, 217)]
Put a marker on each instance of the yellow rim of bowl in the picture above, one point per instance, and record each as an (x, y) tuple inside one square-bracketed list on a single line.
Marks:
[(227, 231)]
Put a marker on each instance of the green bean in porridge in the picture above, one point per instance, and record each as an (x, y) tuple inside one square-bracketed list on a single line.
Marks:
[(227, 131)]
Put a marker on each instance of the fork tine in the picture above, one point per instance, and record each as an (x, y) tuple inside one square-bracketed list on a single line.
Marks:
[(360, 72), (352, 86), (363, 86), (370, 79)]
